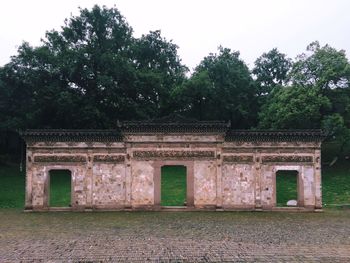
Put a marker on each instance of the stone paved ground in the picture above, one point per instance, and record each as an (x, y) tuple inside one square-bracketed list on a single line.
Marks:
[(175, 237)]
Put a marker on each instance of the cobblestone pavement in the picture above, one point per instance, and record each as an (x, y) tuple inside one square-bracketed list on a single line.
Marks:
[(175, 237)]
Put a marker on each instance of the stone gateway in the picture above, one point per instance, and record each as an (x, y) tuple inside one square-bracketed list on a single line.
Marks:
[(120, 169)]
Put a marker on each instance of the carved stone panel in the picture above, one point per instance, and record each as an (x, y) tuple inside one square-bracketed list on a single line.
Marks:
[(287, 159), (109, 158), (178, 155), (59, 158), (238, 159)]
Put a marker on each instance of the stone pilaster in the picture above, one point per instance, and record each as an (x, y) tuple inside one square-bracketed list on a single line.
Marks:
[(219, 177), (89, 180), (29, 180), (318, 183), (128, 175), (257, 176)]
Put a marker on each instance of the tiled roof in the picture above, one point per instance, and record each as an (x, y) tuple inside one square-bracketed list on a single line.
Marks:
[(173, 123), (72, 135), (174, 127), (274, 135)]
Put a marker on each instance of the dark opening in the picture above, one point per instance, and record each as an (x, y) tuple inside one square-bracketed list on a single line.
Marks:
[(60, 188), (173, 185), (286, 187)]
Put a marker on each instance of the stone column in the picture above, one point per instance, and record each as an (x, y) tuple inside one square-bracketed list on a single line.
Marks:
[(257, 176), (29, 182), (128, 175), (219, 178), (89, 180)]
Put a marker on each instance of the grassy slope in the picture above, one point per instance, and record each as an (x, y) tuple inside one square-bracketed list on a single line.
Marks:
[(336, 186), (12, 188)]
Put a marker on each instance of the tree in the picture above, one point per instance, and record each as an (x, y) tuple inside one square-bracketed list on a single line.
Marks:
[(91, 73), (271, 69), (293, 108), (221, 88), (324, 67), (159, 71), (328, 70), (194, 96), (336, 130)]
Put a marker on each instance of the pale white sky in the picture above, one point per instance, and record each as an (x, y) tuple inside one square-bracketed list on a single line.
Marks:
[(198, 27)]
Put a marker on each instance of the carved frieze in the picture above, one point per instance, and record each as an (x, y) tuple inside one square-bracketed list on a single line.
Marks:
[(238, 159), (59, 158), (109, 158), (287, 159), (49, 143), (173, 154)]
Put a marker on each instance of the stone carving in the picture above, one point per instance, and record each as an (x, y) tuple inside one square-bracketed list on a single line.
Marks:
[(109, 158), (287, 159), (59, 158), (49, 143), (238, 159), (173, 154), (71, 144)]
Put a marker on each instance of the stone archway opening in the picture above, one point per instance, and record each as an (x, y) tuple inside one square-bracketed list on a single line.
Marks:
[(287, 185), (60, 188), (173, 185)]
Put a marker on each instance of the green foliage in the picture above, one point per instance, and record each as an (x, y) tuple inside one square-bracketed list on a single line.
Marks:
[(221, 88), (194, 95), (173, 185), (271, 69), (89, 74), (93, 72), (325, 68), (293, 107)]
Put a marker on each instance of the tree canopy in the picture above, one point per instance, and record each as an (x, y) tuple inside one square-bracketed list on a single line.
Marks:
[(220, 88), (91, 73), (94, 71), (271, 69)]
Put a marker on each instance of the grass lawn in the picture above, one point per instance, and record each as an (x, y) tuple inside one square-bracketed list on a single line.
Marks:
[(12, 190), (173, 185), (335, 186)]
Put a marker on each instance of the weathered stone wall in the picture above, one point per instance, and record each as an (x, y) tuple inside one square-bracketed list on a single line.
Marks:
[(220, 174), (108, 185), (238, 185), (204, 183), (142, 193)]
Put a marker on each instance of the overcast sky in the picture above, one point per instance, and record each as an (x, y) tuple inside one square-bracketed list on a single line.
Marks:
[(198, 27)]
